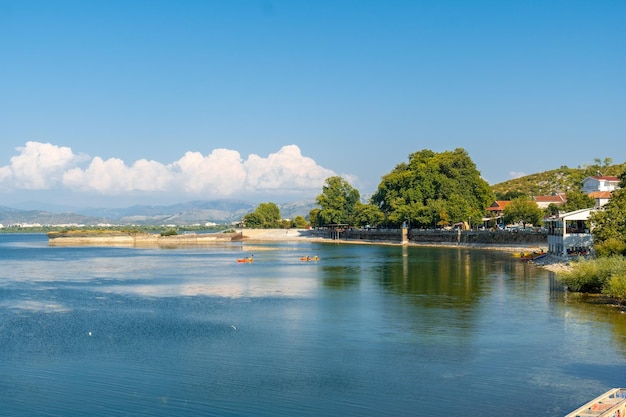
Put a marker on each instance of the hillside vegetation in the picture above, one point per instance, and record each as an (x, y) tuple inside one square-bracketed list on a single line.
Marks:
[(558, 180)]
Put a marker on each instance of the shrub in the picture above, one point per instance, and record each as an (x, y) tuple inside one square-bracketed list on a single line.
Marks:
[(610, 247), (169, 232), (616, 287), (595, 275)]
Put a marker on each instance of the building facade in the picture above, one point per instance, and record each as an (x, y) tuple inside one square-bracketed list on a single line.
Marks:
[(569, 234)]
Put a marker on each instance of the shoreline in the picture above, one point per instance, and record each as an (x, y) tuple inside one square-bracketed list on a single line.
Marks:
[(551, 263)]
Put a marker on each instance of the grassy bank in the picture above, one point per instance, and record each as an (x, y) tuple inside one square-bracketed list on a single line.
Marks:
[(606, 276)]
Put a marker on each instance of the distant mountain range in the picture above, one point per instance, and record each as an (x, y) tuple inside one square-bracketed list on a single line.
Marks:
[(190, 213)]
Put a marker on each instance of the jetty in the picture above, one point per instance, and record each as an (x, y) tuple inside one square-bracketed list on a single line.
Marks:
[(610, 404)]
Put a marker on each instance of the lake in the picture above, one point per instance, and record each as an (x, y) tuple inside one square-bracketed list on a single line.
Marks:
[(367, 330)]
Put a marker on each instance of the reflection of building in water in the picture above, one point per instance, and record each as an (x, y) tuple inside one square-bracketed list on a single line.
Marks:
[(569, 233)]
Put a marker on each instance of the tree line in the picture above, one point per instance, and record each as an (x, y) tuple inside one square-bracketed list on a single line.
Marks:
[(431, 190)]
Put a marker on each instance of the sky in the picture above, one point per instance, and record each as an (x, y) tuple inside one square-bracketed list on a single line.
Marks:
[(112, 103)]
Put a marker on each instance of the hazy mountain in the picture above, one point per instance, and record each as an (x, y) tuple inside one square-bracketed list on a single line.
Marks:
[(10, 216), (193, 212)]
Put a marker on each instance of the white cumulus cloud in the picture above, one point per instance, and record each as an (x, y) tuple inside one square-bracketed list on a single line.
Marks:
[(38, 166), (113, 176), (285, 170), (221, 173)]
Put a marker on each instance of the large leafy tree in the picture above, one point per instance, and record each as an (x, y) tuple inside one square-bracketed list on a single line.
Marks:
[(338, 202), (433, 189), (265, 216), (523, 210)]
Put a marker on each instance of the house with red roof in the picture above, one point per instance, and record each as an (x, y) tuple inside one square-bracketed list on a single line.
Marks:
[(600, 188), (495, 212), (601, 197), (599, 183), (497, 207), (543, 201)]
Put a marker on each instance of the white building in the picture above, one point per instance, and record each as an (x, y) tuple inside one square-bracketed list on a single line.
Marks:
[(569, 233), (600, 183)]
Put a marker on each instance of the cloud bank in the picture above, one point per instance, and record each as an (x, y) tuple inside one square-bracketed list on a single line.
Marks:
[(221, 174)]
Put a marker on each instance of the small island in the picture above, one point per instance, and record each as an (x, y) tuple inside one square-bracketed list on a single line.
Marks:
[(137, 239)]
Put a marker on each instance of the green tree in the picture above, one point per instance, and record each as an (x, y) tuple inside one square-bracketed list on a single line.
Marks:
[(299, 222), (552, 209), (314, 217), (265, 216), (523, 210), (510, 195), (368, 215), (609, 224), (337, 201), (433, 188), (576, 200)]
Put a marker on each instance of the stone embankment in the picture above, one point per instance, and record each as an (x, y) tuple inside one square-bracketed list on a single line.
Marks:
[(471, 238)]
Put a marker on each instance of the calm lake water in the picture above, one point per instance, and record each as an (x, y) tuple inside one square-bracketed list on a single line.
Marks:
[(368, 330)]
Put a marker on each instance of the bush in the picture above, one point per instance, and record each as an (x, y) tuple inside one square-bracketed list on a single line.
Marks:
[(169, 232), (610, 247), (602, 275), (616, 287)]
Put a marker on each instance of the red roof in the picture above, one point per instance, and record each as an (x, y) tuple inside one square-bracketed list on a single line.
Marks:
[(555, 199), (600, 194), (498, 205), (606, 177)]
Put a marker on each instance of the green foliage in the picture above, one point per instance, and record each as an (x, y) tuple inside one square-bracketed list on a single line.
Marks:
[(610, 247), (523, 210), (610, 223), (511, 194), (433, 188), (602, 275), (299, 222), (563, 179), (169, 232), (591, 276), (265, 216), (552, 210), (314, 217), (616, 286), (337, 201), (368, 215), (577, 200)]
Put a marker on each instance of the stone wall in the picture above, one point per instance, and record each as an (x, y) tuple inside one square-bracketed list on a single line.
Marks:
[(470, 237)]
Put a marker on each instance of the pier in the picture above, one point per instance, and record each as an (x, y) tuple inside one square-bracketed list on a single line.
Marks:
[(610, 404)]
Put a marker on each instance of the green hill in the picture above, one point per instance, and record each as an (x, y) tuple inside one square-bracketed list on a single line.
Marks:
[(558, 180)]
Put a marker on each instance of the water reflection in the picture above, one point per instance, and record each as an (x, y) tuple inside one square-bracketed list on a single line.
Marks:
[(367, 330)]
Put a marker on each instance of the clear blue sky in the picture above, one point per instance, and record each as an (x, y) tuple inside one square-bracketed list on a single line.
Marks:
[(119, 102)]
